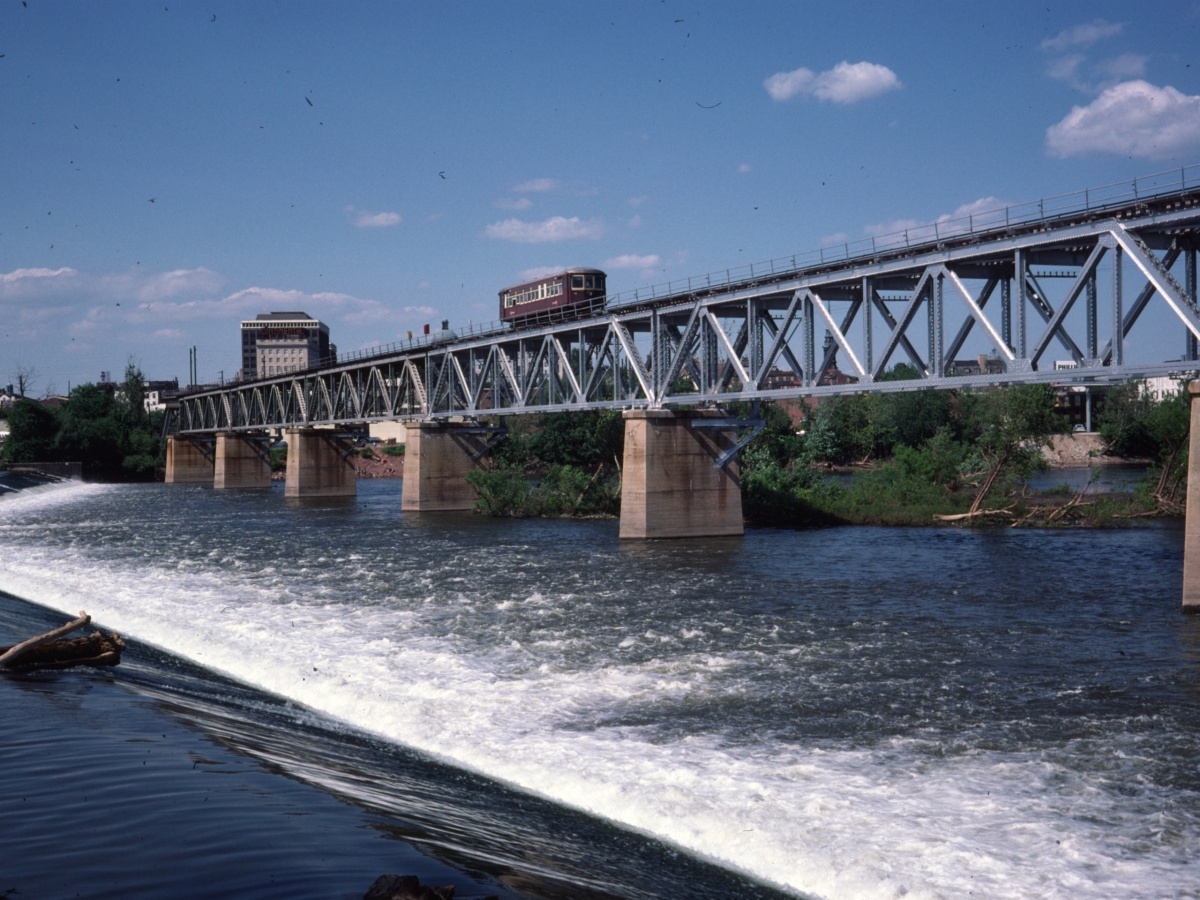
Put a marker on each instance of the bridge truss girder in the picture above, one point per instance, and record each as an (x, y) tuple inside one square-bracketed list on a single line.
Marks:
[(1016, 298)]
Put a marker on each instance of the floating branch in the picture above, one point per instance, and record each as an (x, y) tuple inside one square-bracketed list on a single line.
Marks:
[(49, 651)]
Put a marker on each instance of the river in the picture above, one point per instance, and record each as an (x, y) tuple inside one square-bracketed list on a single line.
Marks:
[(849, 712)]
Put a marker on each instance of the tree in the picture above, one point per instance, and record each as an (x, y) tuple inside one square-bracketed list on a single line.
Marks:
[(131, 398), (1122, 421), (1168, 425), (112, 436), (90, 432), (32, 429), (1011, 426), (586, 438), (24, 376)]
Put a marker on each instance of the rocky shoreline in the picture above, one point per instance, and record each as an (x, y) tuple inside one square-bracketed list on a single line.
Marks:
[(1081, 449), (379, 466)]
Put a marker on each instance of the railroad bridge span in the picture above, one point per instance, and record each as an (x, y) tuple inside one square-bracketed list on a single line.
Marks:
[(1094, 287)]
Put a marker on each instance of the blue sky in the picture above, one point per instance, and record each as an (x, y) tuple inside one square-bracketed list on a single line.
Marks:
[(171, 168)]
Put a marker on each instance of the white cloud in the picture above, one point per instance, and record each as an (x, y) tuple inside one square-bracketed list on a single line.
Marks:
[(785, 85), (324, 306), (538, 272), (164, 302), (844, 83), (30, 275), (744, 168), (516, 203), (76, 288), (1082, 35), (896, 226), (1125, 67), (1099, 75), (634, 261), (21, 285), (163, 285), (537, 186), (1134, 118), (976, 214), (556, 228), (1066, 68), (361, 218)]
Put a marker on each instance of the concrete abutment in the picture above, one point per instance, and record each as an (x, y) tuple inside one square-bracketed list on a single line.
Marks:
[(241, 462), (1191, 533), (318, 464), (671, 486), (189, 460), (437, 458)]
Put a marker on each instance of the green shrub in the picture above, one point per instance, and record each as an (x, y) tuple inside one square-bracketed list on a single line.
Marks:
[(564, 491), (773, 495), (501, 492)]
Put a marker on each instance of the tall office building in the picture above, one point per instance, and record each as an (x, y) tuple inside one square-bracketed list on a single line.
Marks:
[(276, 343)]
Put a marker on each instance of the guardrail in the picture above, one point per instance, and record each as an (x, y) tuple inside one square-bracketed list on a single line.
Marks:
[(1048, 209)]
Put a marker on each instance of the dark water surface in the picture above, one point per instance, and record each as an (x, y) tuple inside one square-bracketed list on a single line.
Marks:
[(842, 713)]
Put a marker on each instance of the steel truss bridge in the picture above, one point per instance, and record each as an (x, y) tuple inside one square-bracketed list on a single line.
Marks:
[(1089, 288)]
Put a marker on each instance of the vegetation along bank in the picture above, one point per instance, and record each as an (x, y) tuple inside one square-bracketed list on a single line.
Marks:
[(916, 458)]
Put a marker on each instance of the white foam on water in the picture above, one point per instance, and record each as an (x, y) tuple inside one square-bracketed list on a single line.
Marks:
[(889, 821)]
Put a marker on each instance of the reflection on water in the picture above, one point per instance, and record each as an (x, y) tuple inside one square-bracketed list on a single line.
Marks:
[(1106, 479)]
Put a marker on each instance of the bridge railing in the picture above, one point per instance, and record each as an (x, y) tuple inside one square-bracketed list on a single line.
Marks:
[(975, 224), (481, 329), (987, 221)]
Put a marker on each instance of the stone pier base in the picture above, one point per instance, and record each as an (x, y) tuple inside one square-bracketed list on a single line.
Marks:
[(187, 461), (240, 463), (315, 465), (437, 459), (1191, 533), (670, 486)]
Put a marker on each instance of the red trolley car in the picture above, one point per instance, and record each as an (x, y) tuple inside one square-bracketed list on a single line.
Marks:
[(567, 295)]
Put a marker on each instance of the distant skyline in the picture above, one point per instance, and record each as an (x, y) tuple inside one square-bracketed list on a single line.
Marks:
[(172, 168)]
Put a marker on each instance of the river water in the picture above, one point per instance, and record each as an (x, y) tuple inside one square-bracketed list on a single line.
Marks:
[(850, 712)]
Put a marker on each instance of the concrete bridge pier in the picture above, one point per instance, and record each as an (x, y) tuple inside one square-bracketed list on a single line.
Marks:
[(437, 458), (1191, 531), (318, 464), (189, 460), (241, 462), (671, 486)]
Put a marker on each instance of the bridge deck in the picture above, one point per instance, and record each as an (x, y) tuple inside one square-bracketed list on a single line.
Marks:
[(1098, 286)]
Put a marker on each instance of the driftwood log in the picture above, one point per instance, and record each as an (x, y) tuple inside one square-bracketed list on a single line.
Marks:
[(51, 651)]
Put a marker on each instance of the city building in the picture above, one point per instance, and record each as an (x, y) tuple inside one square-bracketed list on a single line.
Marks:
[(276, 343), (158, 394)]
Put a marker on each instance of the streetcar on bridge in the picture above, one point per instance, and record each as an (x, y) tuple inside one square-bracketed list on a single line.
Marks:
[(573, 294)]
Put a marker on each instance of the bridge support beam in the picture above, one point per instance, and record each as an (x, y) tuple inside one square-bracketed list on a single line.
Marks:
[(671, 486), (318, 465), (189, 461), (1191, 530), (437, 458), (240, 463)]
